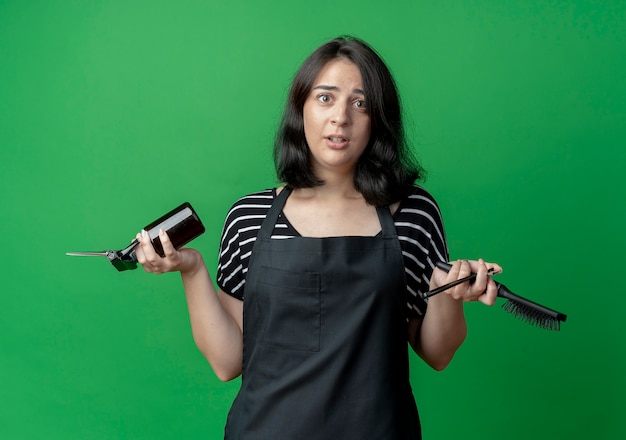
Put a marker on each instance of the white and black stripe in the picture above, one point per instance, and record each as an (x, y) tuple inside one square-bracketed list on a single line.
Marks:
[(417, 220)]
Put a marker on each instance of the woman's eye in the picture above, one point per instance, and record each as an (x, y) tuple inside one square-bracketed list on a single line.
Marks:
[(360, 104), (324, 98)]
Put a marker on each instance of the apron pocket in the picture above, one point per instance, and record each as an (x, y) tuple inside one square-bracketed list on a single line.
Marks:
[(289, 309)]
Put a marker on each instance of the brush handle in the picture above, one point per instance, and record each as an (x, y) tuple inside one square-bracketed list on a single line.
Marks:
[(471, 277), (504, 292)]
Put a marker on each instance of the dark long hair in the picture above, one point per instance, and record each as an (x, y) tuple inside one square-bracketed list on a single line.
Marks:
[(386, 170)]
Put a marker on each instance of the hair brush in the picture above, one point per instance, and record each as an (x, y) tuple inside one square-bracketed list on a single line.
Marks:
[(520, 307)]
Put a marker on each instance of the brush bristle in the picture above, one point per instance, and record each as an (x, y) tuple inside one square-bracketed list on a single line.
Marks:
[(532, 316)]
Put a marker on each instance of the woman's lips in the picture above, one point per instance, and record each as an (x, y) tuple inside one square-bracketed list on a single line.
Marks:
[(337, 141)]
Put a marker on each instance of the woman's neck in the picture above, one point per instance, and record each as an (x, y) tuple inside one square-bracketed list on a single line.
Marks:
[(335, 187)]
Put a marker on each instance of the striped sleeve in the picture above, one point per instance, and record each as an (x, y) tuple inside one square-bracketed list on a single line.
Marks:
[(420, 230), (241, 228)]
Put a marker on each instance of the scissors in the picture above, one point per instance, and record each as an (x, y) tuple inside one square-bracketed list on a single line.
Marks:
[(181, 224), (122, 260)]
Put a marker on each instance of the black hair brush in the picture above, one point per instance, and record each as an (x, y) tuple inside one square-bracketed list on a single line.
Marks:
[(520, 307)]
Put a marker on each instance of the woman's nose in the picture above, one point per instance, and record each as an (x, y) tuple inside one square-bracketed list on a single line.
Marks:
[(341, 114)]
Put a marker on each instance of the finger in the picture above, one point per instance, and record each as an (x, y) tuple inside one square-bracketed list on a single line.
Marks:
[(494, 268), (465, 269), (482, 277), (148, 248), (168, 247), (440, 277), (453, 273), (140, 254), (491, 291), (462, 291), (145, 253), (491, 294), (141, 258)]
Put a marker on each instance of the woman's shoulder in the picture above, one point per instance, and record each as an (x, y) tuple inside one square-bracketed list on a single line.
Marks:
[(419, 207), (267, 194), (259, 199), (248, 211), (250, 207), (419, 197)]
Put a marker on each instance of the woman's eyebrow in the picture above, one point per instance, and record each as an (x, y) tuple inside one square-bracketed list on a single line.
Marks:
[(336, 89)]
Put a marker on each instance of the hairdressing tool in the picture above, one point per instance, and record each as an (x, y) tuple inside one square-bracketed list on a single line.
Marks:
[(181, 224), (470, 277), (520, 307)]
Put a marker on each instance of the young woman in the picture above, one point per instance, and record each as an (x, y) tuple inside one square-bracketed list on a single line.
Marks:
[(321, 279)]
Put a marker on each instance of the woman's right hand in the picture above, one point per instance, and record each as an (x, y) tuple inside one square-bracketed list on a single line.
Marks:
[(183, 260)]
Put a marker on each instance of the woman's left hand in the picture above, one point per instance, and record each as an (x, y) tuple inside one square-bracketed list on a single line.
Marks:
[(482, 289), (173, 260)]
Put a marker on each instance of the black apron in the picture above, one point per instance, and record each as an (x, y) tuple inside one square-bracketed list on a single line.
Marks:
[(325, 339)]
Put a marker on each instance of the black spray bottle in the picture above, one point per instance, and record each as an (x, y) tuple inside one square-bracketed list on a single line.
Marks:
[(181, 224)]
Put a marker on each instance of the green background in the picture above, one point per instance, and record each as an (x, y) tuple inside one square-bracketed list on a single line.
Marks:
[(114, 112)]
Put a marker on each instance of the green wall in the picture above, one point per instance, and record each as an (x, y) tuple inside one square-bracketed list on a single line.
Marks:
[(113, 112)]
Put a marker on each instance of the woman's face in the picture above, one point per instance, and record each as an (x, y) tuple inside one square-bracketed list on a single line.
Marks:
[(336, 121)]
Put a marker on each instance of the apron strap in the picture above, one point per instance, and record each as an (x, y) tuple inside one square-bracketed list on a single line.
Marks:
[(384, 216), (272, 216), (386, 221)]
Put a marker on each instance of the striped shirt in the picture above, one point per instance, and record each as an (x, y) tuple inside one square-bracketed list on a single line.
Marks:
[(418, 224)]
